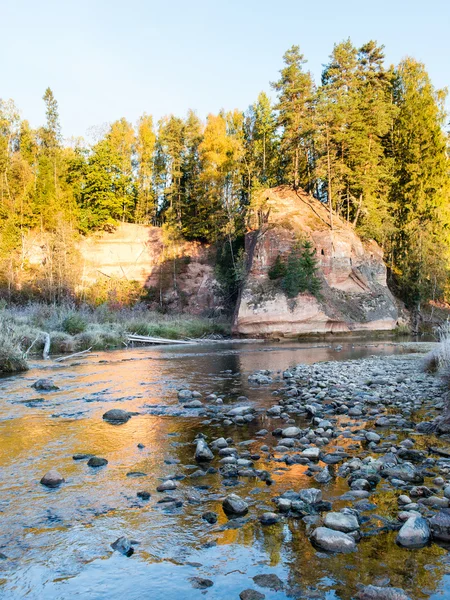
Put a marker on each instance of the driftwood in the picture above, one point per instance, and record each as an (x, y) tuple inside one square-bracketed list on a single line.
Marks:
[(61, 358), (46, 352), (145, 339)]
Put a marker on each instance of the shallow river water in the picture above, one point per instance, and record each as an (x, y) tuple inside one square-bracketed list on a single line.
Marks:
[(57, 541)]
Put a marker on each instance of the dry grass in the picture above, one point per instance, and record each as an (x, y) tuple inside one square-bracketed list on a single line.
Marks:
[(438, 360), (72, 328)]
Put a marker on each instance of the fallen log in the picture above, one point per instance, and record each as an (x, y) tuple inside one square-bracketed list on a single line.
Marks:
[(145, 339), (61, 358)]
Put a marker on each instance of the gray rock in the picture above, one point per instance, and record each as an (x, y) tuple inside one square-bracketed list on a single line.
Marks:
[(52, 479), (440, 525), (291, 432), (96, 461), (310, 495), (405, 472), (311, 453), (341, 522), (123, 545), (234, 506), (324, 476), (415, 533), (250, 594), (184, 394), (200, 583), (269, 580), (372, 592), (331, 540), (117, 416), (203, 452), (269, 518), (210, 517), (45, 385), (167, 486)]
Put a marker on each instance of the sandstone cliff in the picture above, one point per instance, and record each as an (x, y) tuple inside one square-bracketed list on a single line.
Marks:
[(354, 295), (181, 276)]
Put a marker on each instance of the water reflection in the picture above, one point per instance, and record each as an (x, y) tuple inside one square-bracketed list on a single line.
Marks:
[(58, 541)]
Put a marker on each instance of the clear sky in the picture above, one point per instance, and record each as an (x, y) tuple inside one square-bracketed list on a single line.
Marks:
[(106, 59)]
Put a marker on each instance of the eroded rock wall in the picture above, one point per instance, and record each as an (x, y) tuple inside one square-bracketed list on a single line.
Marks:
[(354, 294)]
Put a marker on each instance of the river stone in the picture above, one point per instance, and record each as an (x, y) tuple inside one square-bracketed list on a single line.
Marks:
[(52, 479), (269, 518), (44, 385), (311, 453), (250, 594), (210, 517), (415, 533), (447, 491), (405, 472), (144, 495), (203, 452), (310, 495), (324, 476), (167, 486), (123, 545), (117, 416), (233, 505), (440, 525), (184, 395), (372, 592), (200, 583), (341, 522), (291, 432), (269, 580), (96, 461), (371, 436), (331, 540)]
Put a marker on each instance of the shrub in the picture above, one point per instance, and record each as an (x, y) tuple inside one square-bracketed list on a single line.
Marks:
[(74, 324), (298, 274), (278, 269)]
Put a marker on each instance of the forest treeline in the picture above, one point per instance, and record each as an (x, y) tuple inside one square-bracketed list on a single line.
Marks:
[(369, 141)]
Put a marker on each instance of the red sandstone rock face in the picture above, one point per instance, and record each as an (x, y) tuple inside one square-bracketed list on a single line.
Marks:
[(354, 295)]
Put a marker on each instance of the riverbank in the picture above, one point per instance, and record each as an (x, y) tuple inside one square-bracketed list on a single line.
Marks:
[(23, 330), (328, 461)]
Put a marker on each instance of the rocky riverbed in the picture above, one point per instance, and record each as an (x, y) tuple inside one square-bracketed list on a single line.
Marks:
[(318, 482)]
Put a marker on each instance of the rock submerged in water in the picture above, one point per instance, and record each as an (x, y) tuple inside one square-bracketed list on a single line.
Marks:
[(234, 506), (250, 594), (96, 461), (269, 518), (200, 583), (415, 533), (270, 581), (123, 545), (116, 416), (44, 385), (52, 479), (372, 592), (330, 540)]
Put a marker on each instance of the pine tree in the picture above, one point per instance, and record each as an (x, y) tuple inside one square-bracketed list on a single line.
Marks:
[(294, 116)]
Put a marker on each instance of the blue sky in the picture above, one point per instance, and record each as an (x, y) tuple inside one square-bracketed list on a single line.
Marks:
[(106, 59)]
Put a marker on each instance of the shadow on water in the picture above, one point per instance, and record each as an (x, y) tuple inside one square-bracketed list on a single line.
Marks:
[(57, 542)]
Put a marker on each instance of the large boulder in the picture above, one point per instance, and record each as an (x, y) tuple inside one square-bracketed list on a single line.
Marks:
[(331, 540), (406, 472)]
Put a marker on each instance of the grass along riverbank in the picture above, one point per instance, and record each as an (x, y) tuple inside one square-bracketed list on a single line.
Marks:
[(23, 329)]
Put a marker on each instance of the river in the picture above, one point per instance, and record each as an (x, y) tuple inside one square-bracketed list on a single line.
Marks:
[(57, 541)]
